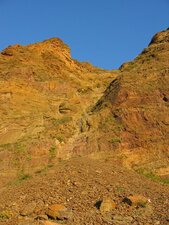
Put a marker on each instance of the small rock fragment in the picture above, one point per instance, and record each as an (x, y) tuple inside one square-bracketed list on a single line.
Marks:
[(59, 212), (107, 205), (136, 200)]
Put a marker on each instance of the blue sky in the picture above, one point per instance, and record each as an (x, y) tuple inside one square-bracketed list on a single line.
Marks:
[(103, 32)]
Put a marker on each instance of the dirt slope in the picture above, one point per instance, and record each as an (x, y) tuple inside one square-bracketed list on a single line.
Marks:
[(79, 184)]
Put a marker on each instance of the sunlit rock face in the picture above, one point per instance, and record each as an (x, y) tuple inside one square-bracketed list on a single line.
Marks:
[(44, 96), (53, 106)]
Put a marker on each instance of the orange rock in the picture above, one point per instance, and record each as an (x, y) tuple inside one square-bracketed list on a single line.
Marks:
[(136, 200), (107, 205), (59, 212)]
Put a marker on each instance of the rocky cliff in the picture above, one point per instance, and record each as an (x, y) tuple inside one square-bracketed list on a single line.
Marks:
[(53, 106), (44, 94)]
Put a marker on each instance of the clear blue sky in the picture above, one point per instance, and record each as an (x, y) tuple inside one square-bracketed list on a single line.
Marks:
[(103, 32)]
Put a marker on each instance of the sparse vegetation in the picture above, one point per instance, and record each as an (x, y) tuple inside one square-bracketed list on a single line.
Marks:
[(52, 150), (142, 204), (108, 122), (112, 124), (29, 158), (120, 189), (44, 169), (5, 215), (19, 147), (23, 176), (157, 178), (60, 137), (116, 140), (5, 147), (153, 176)]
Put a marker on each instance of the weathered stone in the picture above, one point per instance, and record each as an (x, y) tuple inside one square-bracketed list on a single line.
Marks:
[(107, 205), (59, 212), (136, 200)]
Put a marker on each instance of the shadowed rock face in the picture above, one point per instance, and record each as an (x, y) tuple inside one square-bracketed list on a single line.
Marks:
[(53, 106)]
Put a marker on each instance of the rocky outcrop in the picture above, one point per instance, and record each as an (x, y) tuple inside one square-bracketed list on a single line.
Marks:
[(137, 100), (43, 95)]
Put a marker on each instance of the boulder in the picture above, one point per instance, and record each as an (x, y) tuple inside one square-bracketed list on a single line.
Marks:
[(59, 212), (107, 205), (136, 200)]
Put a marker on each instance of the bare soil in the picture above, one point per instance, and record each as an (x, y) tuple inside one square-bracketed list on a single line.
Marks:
[(79, 184)]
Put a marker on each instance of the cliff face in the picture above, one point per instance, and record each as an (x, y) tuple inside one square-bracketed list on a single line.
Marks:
[(53, 106), (138, 99), (44, 93), (133, 113), (42, 87)]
